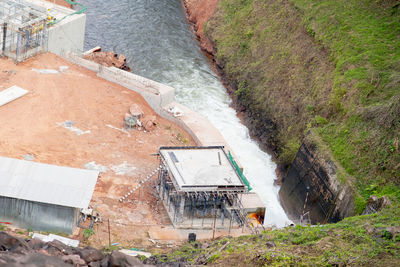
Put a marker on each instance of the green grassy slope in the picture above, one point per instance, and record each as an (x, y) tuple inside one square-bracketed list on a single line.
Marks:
[(333, 66), (368, 240)]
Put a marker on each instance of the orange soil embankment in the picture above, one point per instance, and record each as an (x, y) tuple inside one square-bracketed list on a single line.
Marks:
[(32, 125), (199, 11), (61, 3)]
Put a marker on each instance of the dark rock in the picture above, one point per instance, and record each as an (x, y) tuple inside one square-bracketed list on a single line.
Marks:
[(154, 260), (74, 260), (95, 264), (118, 259), (11, 243), (174, 264), (90, 254), (104, 262), (56, 248), (270, 244), (30, 260), (36, 244), (376, 204)]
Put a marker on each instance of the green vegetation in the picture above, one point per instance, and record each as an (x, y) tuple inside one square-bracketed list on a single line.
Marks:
[(110, 249), (88, 232), (332, 66), (368, 240)]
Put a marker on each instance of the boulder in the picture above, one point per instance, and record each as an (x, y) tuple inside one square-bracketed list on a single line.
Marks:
[(31, 259), (36, 244), (376, 204), (57, 247), (95, 264), (149, 122), (73, 259), (118, 259), (136, 111), (90, 254), (104, 262), (11, 243)]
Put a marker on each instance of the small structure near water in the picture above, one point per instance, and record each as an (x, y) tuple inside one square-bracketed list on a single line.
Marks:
[(200, 188)]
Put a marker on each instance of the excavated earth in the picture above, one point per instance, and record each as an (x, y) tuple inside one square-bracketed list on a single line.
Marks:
[(72, 118)]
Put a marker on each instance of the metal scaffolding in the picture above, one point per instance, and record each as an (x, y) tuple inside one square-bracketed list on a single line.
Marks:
[(23, 29), (200, 188)]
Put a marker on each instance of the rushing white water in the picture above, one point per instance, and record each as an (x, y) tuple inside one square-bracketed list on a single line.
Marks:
[(156, 39)]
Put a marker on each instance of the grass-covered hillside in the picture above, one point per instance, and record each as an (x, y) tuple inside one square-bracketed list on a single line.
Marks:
[(332, 65), (368, 240)]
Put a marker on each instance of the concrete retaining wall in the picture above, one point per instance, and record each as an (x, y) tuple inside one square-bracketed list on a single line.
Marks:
[(68, 35)]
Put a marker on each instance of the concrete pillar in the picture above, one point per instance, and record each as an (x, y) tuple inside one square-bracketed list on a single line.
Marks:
[(161, 188), (181, 208), (4, 38)]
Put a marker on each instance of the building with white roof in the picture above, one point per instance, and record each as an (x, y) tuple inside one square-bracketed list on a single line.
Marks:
[(202, 188), (42, 196)]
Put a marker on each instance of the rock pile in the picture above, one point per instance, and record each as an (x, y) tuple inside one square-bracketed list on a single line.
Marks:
[(108, 59), (18, 252)]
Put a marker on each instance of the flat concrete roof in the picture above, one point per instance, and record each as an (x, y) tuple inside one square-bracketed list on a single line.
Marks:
[(201, 168), (46, 183), (251, 201)]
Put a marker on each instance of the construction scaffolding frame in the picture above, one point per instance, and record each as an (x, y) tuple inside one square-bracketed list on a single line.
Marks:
[(23, 30), (206, 206)]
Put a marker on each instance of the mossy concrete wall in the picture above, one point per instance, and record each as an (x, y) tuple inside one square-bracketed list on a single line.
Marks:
[(314, 184)]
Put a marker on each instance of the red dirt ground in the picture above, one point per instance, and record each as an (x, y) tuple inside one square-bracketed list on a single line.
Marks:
[(60, 2), (29, 126), (199, 12)]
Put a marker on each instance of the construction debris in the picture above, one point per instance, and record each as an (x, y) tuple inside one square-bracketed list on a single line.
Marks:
[(175, 111), (95, 167), (11, 94), (68, 125), (48, 238)]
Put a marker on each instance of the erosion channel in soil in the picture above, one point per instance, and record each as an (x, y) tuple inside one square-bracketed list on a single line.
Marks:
[(157, 40)]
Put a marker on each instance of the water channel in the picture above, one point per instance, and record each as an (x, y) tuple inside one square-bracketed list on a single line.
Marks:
[(159, 44)]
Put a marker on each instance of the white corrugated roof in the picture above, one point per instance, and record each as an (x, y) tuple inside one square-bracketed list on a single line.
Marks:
[(46, 183)]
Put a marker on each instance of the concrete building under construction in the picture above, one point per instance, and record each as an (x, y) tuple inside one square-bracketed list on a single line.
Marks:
[(29, 27), (202, 187), (23, 30)]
